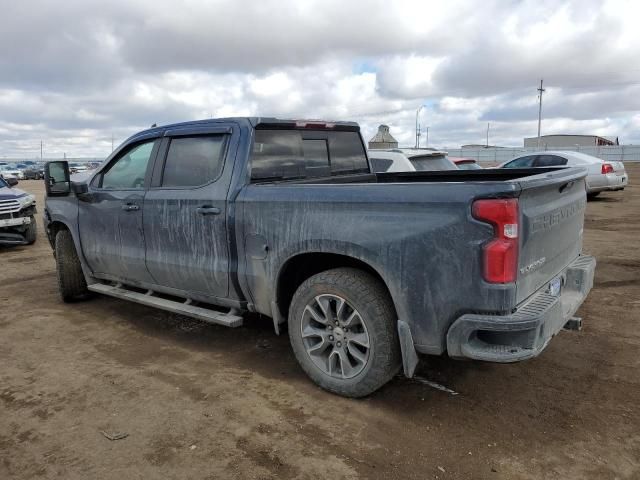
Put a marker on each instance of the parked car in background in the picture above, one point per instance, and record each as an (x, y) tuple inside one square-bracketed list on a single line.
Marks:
[(602, 175), (17, 215), (34, 172), (422, 159), (465, 163), (428, 159), (285, 218), (77, 167), (388, 161), (11, 171)]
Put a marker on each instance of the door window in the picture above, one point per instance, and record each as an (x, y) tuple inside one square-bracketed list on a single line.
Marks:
[(193, 161), (129, 171), (550, 161), (522, 162)]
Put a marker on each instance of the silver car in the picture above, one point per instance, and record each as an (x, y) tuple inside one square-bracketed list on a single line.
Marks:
[(602, 175)]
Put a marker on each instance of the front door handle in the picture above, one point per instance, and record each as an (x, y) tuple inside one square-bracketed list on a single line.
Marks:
[(130, 207), (208, 210)]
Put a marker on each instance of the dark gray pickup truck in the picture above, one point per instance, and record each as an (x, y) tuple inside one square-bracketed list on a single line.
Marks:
[(216, 218)]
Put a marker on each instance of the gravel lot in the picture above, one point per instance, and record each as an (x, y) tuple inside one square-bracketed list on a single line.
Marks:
[(199, 401)]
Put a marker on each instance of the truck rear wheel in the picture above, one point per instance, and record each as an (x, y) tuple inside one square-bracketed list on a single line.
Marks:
[(342, 328), (71, 282), (31, 233)]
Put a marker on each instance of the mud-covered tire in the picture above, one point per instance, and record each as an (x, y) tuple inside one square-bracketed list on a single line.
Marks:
[(71, 282), (366, 295), (31, 233)]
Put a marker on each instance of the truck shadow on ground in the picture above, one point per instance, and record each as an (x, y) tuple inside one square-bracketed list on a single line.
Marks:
[(255, 347)]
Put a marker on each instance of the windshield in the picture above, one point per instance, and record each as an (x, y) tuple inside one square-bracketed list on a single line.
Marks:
[(3, 183)]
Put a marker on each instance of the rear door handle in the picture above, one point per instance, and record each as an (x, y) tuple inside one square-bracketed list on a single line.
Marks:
[(130, 207), (208, 210)]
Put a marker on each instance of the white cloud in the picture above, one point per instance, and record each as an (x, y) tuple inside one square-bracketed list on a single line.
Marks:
[(81, 72)]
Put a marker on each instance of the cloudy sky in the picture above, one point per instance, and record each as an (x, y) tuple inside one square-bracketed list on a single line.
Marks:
[(76, 72)]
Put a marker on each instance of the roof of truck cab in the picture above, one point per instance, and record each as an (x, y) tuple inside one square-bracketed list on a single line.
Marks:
[(253, 122)]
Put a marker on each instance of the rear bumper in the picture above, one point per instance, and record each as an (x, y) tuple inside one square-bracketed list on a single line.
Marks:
[(526, 332), (611, 181)]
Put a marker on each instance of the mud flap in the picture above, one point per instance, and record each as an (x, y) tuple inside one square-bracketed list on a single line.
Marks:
[(277, 317), (409, 355)]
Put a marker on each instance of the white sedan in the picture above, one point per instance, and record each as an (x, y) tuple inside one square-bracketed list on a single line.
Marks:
[(602, 175), (7, 172)]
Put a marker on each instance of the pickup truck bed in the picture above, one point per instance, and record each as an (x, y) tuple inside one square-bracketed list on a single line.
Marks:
[(480, 264)]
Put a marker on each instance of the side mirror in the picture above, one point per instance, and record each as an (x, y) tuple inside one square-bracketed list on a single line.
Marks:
[(56, 179), (12, 182)]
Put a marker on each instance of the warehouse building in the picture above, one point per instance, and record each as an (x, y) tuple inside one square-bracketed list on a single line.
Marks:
[(568, 141)]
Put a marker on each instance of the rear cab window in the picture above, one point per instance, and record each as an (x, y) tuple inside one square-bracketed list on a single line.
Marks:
[(302, 154)]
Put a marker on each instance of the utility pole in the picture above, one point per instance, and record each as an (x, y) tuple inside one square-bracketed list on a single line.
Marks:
[(427, 137), (541, 90), (488, 124), (418, 126), (40, 150)]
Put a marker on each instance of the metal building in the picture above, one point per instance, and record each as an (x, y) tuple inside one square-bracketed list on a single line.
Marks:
[(560, 141), (383, 139)]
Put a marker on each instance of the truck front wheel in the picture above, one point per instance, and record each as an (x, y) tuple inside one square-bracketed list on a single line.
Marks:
[(71, 282), (342, 328), (31, 232)]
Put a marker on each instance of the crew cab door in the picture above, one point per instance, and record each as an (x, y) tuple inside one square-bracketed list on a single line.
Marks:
[(185, 211), (110, 214)]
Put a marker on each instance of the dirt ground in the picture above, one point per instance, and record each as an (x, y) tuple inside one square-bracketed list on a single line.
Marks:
[(203, 402)]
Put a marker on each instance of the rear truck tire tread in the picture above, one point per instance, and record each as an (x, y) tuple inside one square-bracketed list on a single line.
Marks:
[(31, 233), (72, 285), (592, 195), (370, 298)]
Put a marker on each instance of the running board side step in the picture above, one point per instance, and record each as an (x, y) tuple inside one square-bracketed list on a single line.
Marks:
[(204, 314)]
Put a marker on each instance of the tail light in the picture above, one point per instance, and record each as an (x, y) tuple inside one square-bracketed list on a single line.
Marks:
[(607, 168), (500, 255)]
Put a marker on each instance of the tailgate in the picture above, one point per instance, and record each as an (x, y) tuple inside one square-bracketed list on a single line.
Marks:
[(552, 209)]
